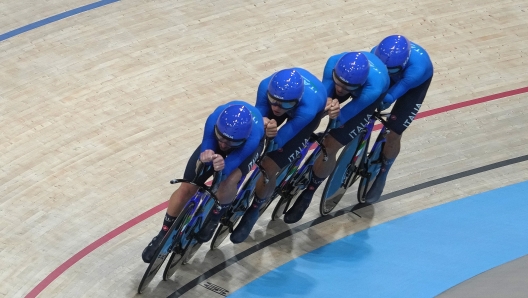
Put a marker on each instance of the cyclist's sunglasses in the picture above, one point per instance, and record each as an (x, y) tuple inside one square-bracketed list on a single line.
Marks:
[(394, 70), (229, 142), (283, 104), (343, 84)]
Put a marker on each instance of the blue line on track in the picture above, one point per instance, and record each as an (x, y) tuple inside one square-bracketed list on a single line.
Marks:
[(55, 18)]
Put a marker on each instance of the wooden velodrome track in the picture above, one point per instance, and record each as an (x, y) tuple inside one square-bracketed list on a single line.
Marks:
[(101, 109)]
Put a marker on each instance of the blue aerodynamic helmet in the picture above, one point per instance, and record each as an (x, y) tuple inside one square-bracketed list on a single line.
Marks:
[(394, 51), (352, 70), (286, 85), (234, 125)]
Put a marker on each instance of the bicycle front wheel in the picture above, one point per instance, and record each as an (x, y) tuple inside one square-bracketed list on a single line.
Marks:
[(235, 212), (219, 236), (169, 242), (373, 166), (177, 256), (291, 191), (345, 174)]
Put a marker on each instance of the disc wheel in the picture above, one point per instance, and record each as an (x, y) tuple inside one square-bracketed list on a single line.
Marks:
[(279, 209), (344, 174), (373, 166), (190, 251)]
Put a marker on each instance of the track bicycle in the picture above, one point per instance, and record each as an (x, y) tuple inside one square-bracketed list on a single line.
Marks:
[(241, 202), (295, 177), (355, 164), (180, 240)]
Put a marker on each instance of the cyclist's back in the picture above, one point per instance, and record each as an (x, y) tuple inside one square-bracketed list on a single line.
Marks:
[(297, 99)]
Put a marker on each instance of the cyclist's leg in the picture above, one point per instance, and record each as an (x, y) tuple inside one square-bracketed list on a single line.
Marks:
[(177, 201), (272, 164), (336, 139), (262, 193), (402, 114), (320, 171), (226, 193)]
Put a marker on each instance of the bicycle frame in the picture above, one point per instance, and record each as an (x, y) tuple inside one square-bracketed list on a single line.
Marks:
[(242, 201), (353, 163), (371, 165), (298, 174), (294, 170), (177, 240)]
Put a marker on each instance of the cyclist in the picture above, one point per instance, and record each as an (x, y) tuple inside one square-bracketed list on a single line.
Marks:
[(293, 97), (232, 141), (362, 78), (411, 71)]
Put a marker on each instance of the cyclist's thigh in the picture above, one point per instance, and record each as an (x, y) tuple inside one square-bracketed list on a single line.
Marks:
[(247, 164), (406, 108), (351, 129), (285, 155), (190, 169)]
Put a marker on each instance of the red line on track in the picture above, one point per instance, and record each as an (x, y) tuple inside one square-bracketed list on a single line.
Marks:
[(85, 251), (122, 228)]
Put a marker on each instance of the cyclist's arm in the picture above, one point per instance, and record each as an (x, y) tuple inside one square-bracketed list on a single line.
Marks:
[(369, 95), (412, 77), (293, 126), (233, 160)]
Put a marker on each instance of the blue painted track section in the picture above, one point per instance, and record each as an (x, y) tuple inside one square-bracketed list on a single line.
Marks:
[(55, 18), (418, 255)]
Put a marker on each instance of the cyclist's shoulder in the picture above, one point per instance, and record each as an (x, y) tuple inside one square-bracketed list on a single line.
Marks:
[(378, 74), (417, 48), (374, 61), (420, 66), (419, 54)]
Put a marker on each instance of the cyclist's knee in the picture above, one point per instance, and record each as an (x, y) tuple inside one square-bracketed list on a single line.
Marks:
[(233, 178), (393, 137), (332, 146), (270, 166), (183, 193), (228, 188)]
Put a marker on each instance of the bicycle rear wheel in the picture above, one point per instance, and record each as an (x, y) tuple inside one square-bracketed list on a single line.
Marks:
[(293, 189), (190, 251), (280, 176), (219, 236), (175, 259), (294, 186), (225, 228), (279, 209), (345, 174), (373, 166)]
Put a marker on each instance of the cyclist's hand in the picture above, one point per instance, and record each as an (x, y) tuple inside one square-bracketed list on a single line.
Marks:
[(218, 162), (271, 128), (332, 108), (207, 156)]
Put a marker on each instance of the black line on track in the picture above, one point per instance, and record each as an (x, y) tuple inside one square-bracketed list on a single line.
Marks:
[(195, 282)]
